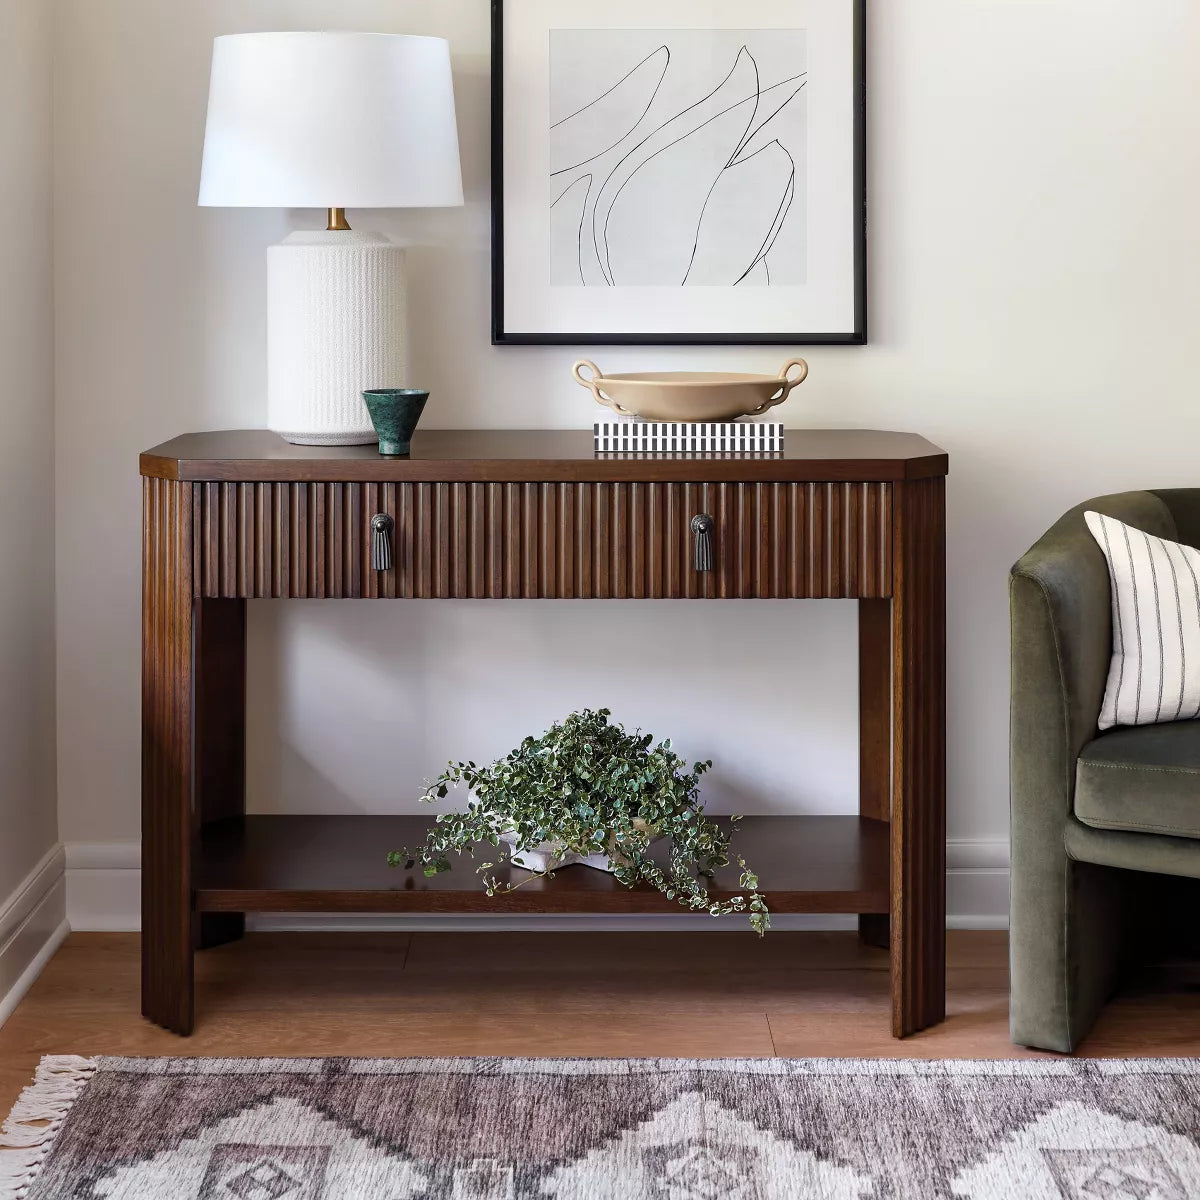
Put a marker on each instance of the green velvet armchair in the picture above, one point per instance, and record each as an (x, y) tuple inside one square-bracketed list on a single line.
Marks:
[(1098, 819)]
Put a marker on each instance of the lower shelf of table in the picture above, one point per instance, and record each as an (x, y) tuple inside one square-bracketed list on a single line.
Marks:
[(338, 864)]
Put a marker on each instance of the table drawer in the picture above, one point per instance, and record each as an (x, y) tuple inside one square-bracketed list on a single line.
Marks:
[(542, 540)]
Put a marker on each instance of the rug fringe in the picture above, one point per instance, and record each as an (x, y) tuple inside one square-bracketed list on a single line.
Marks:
[(36, 1118)]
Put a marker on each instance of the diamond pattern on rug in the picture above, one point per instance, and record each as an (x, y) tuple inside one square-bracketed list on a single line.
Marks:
[(247, 1172), (694, 1149), (282, 1150), (1139, 1174), (1076, 1152), (694, 1169)]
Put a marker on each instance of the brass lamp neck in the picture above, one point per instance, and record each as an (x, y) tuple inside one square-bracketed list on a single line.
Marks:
[(337, 219)]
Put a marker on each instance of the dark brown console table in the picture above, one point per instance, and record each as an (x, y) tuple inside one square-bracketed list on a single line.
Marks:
[(239, 515)]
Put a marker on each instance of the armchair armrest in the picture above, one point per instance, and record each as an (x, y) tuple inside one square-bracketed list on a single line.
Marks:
[(1061, 613)]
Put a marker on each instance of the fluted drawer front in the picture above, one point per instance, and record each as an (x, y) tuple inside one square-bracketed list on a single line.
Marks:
[(542, 540)]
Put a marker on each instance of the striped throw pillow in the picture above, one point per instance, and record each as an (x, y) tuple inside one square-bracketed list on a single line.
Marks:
[(1155, 670)]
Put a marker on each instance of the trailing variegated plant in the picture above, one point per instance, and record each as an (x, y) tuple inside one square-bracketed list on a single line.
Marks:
[(590, 787)]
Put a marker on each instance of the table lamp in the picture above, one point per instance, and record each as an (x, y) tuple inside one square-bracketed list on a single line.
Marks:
[(331, 121)]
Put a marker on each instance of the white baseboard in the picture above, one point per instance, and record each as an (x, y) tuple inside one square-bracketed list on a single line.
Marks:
[(33, 923), (104, 881), (977, 883), (104, 886)]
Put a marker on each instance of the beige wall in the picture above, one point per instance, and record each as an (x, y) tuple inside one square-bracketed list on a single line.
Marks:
[(27, 809), (1035, 294)]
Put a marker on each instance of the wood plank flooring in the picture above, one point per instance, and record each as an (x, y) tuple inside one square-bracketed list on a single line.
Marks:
[(605, 994)]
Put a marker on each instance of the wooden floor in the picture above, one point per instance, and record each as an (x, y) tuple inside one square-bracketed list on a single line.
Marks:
[(604, 994)]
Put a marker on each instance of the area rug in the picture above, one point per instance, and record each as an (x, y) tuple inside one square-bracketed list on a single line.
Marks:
[(506, 1129)]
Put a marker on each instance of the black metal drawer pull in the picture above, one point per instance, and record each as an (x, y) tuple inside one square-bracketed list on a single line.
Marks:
[(702, 527), (381, 542)]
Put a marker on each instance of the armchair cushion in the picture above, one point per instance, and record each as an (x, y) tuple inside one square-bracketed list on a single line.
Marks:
[(1144, 779)]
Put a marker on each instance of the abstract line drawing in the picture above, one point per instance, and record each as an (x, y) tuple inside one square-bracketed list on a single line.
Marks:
[(678, 158)]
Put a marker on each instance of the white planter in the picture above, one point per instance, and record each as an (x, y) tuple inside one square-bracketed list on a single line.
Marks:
[(549, 856)]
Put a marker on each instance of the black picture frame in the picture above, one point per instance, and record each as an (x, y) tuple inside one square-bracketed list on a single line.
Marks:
[(854, 337)]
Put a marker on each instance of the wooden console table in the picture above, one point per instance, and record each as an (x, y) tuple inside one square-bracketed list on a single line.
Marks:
[(233, 516)]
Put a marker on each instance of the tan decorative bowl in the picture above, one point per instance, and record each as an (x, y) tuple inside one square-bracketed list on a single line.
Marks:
[(690, 395)]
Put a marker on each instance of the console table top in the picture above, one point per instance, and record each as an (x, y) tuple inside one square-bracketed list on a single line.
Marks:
[(539, 456)]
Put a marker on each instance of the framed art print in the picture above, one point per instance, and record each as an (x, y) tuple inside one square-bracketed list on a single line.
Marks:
[(678, 172)]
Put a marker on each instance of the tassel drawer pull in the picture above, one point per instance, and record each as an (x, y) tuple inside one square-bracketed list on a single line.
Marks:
[(702, 527), (381, 542)]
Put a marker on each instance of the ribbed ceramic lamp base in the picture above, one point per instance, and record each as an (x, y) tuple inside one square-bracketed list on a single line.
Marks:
[(335, 328)]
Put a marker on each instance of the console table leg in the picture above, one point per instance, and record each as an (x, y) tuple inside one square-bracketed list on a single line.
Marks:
[(874, 734), (220, 657), (167, 754), (918, 927)]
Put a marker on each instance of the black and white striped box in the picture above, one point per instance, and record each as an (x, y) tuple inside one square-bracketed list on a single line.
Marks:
[(667, 437)]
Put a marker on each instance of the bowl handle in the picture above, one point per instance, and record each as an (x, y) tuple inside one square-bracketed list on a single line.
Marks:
[(593, 385), (786, 385)]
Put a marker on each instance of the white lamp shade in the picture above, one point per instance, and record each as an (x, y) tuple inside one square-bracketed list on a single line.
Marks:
[(330, 120)]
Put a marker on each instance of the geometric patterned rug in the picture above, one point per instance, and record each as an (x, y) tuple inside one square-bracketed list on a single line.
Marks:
[(604, 1129)]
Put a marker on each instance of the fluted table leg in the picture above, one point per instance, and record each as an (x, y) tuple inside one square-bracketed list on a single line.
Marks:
[(918, 924), (167, 754)]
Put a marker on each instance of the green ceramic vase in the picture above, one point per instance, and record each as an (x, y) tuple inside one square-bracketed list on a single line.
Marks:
[(395, 413)]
